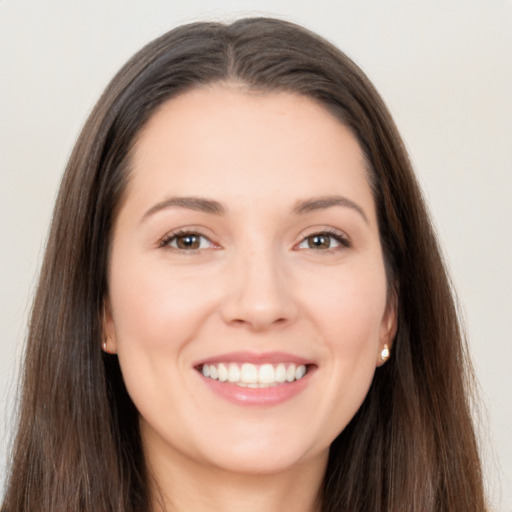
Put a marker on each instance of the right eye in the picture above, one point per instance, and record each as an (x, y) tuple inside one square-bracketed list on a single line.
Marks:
[(187, 241)]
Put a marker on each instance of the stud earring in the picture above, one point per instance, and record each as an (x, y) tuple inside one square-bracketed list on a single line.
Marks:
[(104, 344), (384, 355)]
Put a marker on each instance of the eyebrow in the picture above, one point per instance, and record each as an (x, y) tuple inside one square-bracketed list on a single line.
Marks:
[(324, 202), (199, 204)]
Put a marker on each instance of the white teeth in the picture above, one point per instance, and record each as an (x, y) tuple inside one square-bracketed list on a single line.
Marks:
[(223, 372), (233, 373), (266, 374), (249, 374), (300, 372), (214, 373), (290, 373), (280, 373), (254, 376)]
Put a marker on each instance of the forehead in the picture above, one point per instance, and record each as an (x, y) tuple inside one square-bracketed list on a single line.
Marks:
[(229, 142)]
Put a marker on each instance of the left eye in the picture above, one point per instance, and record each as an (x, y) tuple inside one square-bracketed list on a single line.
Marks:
[(187, 241), (322, 241)]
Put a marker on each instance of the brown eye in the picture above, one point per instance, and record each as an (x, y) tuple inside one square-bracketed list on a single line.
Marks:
[(319, 241), (187, 242), (323, 241)]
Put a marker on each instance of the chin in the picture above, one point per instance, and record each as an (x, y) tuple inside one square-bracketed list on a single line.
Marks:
[(264, 454), (253, 463)]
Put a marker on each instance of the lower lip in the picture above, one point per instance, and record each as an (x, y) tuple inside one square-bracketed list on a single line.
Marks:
[(273, 395)]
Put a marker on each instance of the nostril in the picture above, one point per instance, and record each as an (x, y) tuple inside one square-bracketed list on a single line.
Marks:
[(258, 323), (258, 306)]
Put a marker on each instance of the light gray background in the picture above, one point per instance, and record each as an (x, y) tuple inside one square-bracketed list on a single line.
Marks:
[(443, 67)]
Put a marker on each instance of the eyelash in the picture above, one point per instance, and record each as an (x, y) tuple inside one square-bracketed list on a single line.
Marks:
[(341, 239), (171, 237)]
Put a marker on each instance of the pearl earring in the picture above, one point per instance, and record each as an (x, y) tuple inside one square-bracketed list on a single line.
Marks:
[(104, 344), (384, 355)]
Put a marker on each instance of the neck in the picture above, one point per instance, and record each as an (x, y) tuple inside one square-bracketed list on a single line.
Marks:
[(179, 485)]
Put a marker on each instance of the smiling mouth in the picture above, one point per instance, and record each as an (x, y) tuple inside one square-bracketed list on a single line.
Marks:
[(250, 375)]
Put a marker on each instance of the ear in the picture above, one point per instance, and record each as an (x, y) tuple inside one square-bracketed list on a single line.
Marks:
[(389, 328), (109, 340)]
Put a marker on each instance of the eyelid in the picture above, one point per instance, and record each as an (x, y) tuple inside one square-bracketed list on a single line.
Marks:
[(165, 241), (338, 235)]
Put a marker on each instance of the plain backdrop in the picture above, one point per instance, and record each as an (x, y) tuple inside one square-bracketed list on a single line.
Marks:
[(443, 67)]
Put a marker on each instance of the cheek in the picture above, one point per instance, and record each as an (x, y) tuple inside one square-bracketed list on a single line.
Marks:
[(351, 306), (156, 313), (155, 308)]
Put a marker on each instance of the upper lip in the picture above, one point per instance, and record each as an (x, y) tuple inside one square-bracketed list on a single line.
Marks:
[(255, 358)]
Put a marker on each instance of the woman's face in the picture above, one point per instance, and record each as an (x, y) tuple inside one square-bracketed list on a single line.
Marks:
[(246, 252)]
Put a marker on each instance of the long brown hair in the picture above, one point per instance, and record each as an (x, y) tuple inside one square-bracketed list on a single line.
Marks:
[(410, 447)]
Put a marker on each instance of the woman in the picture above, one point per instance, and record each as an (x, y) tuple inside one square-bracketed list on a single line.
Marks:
[(242, 303)]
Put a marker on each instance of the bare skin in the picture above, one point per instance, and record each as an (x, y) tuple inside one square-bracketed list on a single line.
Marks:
[(214, 489)]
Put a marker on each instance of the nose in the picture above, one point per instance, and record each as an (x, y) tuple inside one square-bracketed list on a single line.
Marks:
[(259, 292)]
